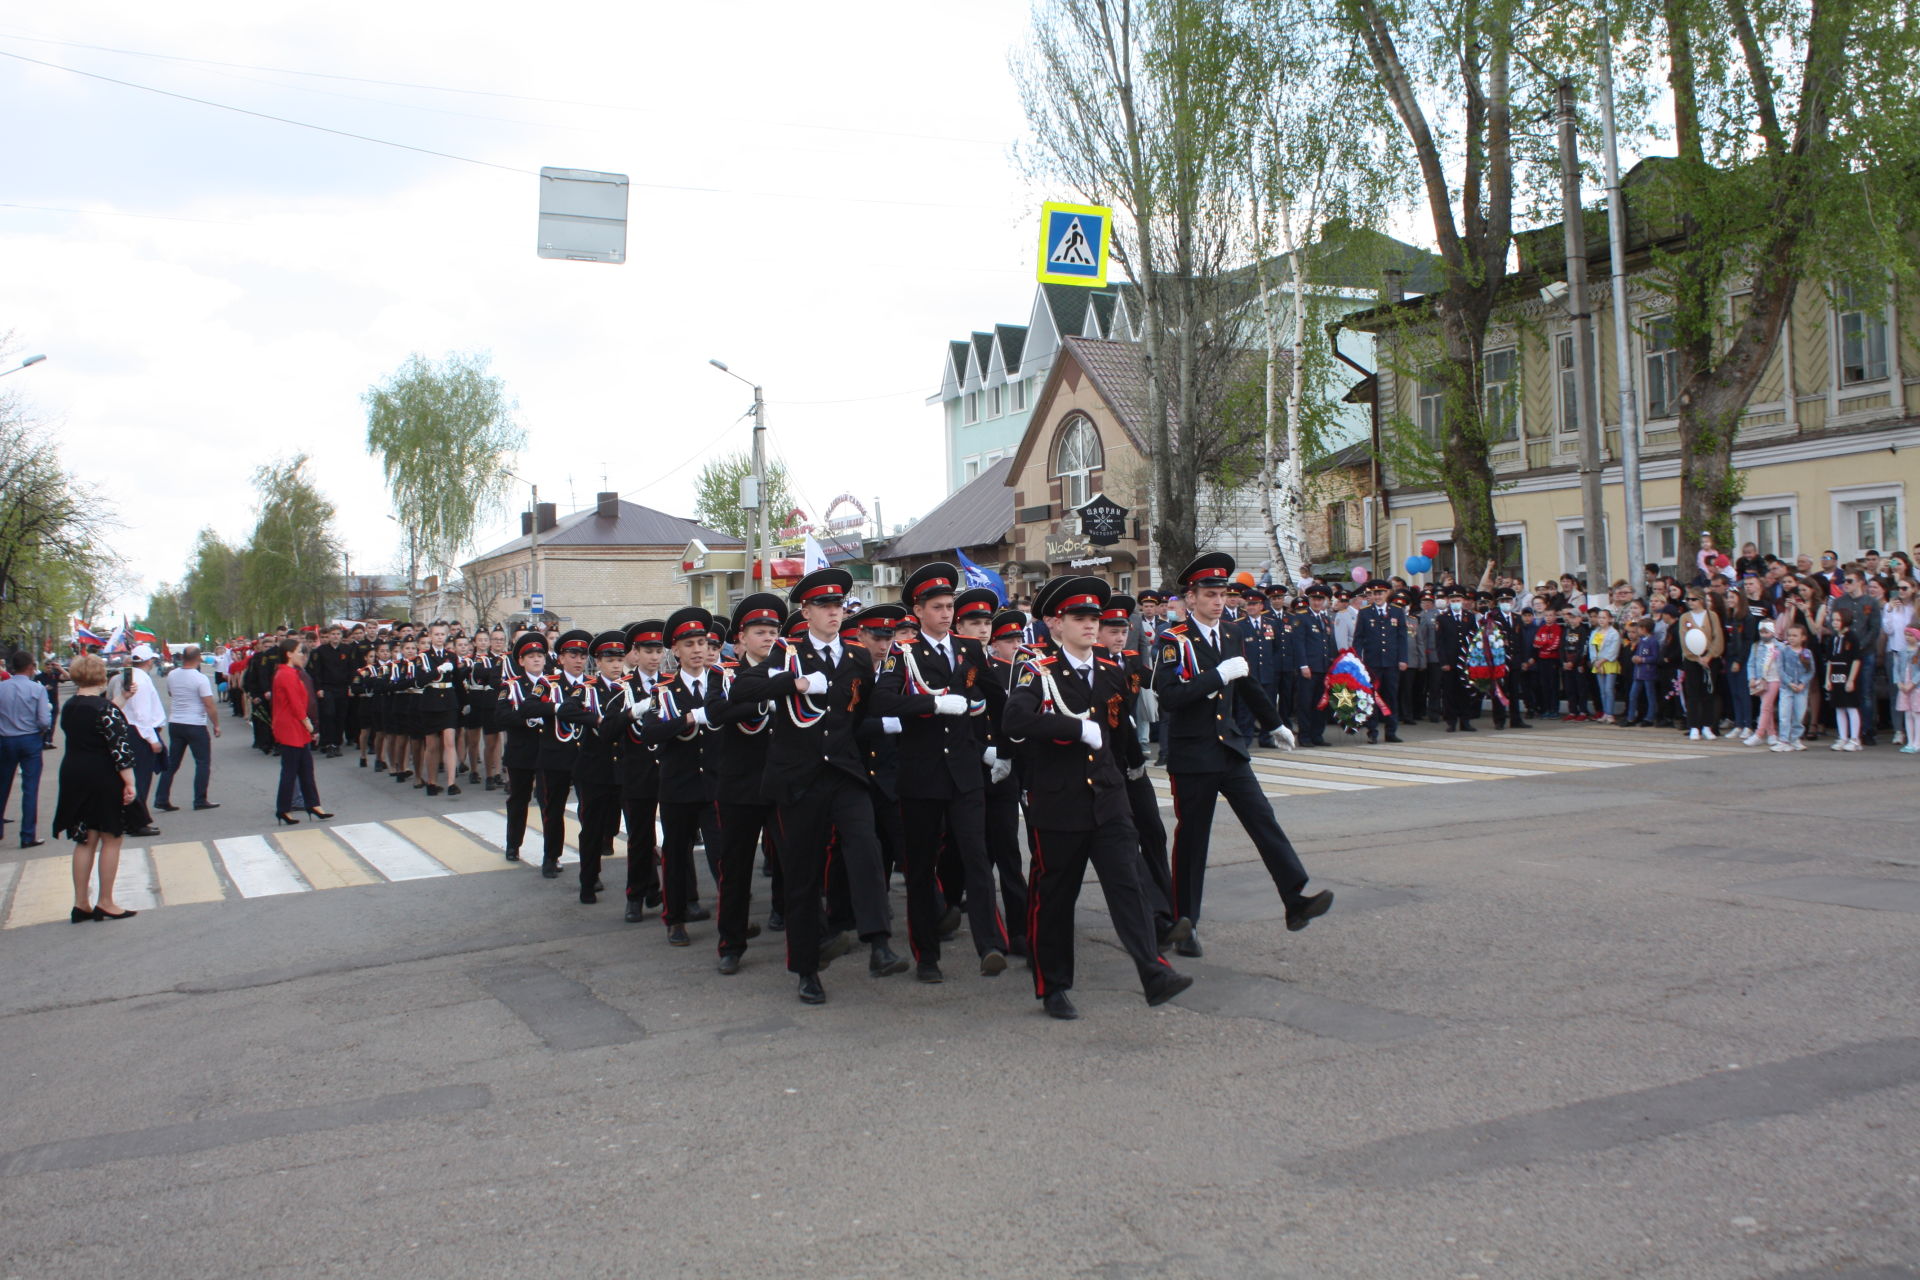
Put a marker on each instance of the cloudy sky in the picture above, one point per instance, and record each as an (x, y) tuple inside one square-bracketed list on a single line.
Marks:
[(819, 201)]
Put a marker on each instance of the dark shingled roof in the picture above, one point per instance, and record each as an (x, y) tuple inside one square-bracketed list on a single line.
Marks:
[(634, 526), (1067, 304), (1013, 344), (983, 347), (978, 514), (1103, 305), (957, 353)]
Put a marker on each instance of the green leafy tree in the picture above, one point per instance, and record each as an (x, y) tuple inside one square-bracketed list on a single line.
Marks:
[(444, 433), (53, 530), (214, 586), (1799, 167), (717, 496), (290, 570)]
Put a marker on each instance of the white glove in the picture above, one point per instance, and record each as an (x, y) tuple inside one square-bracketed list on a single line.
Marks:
[(989, 757), (639, 708), (533, 722), (998, 774), (1136, 773), (1090, 734), (444, 667), (815, 682), (1233, 669), (949, 704), (890, 724), (699, 716)]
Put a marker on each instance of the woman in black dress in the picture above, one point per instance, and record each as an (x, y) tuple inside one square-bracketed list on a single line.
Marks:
[(96, 805)]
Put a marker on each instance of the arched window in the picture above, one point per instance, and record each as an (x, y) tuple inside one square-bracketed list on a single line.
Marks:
[(1074, 460)]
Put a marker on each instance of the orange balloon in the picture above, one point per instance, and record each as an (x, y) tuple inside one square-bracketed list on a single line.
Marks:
[(1244, 578)]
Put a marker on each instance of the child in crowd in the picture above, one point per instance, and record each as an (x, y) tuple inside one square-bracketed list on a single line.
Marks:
[(1841, 654), (1574, 680), (1907, 695), (1545, 658), (1603, 658), (1646, 659), (1797, 667), (1763, 681)]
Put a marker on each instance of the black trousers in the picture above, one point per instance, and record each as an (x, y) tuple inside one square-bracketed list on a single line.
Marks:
[(554, 785), (1514, 685), (1695, 686), (1060, 860), (1461, 699), (333, 716), (962, 821), (886, 826), (1003, 845), (519, 794), (833, 804), (1156, 874), (1312, 717), (679, 824), (1386, 683), (1194, 798), (643, 846), (740, 828), (296, 765), (599, 819)]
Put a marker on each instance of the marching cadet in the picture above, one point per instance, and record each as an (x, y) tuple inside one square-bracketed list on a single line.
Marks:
[(521, 714), (1380, 641), (1201, 678), (484, 673), (1143, 801), (565, 692), (877, 735), (679, 725), (596, 773), (1071, 713), (437, 677), (1004, 787), (739, 774), (817, 779), (936, 686), (403, 679), (640, 765), (1310, 653), (1453, 631)]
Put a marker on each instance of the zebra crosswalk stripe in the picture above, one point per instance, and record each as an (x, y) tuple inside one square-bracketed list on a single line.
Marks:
[(389, 853), (256, 868)]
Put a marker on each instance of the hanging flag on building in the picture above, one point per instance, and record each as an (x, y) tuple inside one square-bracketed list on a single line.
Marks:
[(813, 555), (977, 576)]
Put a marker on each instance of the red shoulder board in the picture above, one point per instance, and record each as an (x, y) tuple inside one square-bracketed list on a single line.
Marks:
[(1107, 661), (1130, 653), (1178, 628)]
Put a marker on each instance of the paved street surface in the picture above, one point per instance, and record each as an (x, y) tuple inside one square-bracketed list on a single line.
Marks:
[(1592, 1002)]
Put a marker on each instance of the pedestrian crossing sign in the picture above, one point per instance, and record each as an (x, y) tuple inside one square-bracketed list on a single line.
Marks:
[(1073, 244)]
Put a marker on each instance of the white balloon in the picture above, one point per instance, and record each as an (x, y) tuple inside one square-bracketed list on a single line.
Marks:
[(1696, 642)]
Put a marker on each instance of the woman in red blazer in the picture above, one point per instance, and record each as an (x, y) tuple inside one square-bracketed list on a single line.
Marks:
[(293, 730)]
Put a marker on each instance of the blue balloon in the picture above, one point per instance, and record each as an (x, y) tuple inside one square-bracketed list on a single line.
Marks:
[(1418, 564)]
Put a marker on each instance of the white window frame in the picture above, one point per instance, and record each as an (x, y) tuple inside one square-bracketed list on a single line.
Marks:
[(1667, 359), (1019, 386), (1573, 532), (1566, 392), (969, 469), (1748, 511), (1076, 483), (1847, 501), (993, 402), (970, 408), (1430, 410), (1653, 522), (1843, 308), (1509, 394)]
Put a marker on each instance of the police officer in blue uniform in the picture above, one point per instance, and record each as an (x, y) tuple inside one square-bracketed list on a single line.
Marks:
[(1310, 652), (1380, 640), (1263, 663)]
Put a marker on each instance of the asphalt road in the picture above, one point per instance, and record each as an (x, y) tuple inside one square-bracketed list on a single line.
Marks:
[(1652, 1021)]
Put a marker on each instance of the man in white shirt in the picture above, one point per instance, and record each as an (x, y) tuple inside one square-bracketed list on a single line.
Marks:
[(191, 713), (139, 700)]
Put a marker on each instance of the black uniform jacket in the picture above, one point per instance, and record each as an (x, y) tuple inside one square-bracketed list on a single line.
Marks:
[(521, 713), (737, 754), (1205, 734), (812, 734), (567, 720), (682, 750), (635, 759), (594, 765), (1071, 786), (939, 755)]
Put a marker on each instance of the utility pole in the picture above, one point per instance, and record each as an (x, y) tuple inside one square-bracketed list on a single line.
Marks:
[(760, 488), (533, 543), (1623, 352), (1586, 400)]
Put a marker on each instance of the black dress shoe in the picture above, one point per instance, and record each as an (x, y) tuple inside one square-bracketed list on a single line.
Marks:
[(1466, 726), (883, 962), (587, 895), (433, 789), (491, 785), (101, 913), (776, 922), (1165, 985), (1373, 736), (1452, 727), (653, 899), (166, 808), (1058, 1006), (550, 870), (729, 964), (677, 936), (379, 766), (1181, 931), (1393, 737), (1302, 913), (811, 992), (948, 922), (513, 855), (207, 804), (833, 948), (929, 972), (1521, 724), (993, 964), (636, 911), (1191, 947), (453, 789), (144, 831), (31, 844), (696, 913), (82, 915), (753, 931)]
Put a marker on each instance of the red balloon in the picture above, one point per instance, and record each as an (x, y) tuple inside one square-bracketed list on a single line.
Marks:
[(1430, 548)]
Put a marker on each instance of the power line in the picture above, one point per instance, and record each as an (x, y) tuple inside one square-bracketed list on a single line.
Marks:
[(497, 93)]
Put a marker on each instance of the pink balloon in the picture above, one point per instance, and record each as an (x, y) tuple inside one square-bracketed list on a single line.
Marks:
[(1360, 573)]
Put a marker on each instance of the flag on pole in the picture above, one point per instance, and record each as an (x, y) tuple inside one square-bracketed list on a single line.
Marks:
[(814, 556), (84, 634), (978, 576)]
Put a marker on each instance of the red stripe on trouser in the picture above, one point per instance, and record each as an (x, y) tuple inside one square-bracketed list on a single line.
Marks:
[(1033, 914), (1173, 781)]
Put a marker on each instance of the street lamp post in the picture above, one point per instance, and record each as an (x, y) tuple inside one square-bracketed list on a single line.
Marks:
[(759, 549), (533, 538), (28, 363)]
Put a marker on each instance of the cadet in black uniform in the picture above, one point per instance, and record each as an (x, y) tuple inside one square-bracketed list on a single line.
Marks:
[(739, 774), (640, 765), (816, 777), (1144, 802), (521, 714), (1072, 713), (438, 677), (877, 736), (596, 773), (679, 726), (1200, 679), (1310, 652), (481, 689), (565, 693), (936, 686), (1380, 641), (1004, 784)]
